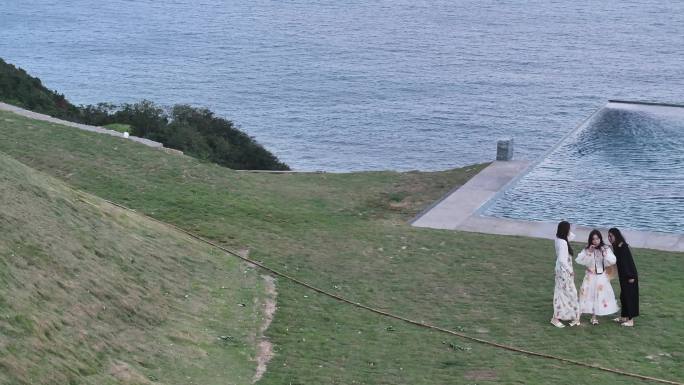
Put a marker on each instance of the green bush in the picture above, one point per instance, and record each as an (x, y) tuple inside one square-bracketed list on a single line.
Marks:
[(21, 89)]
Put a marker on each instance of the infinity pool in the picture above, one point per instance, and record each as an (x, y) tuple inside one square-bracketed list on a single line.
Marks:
[(623, 167)]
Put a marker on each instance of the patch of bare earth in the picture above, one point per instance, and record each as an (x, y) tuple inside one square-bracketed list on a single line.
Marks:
[(481, 375), (264, 347), (126, 374)]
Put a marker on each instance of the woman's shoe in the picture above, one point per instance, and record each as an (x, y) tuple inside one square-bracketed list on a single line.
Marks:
[(557, 323), (594, 321), (619, 320), (629, 324), (575, 323)]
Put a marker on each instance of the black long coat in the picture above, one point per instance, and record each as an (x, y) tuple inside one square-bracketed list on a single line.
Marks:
[(629, 292)]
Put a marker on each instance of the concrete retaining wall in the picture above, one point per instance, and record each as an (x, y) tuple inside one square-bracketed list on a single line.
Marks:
[(85, 127)]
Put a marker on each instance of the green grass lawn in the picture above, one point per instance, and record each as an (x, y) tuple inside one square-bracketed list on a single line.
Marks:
[(347, 233), (91, 294), (120, 127)]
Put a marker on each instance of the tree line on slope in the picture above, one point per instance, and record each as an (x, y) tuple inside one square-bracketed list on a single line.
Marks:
[(196, 131)]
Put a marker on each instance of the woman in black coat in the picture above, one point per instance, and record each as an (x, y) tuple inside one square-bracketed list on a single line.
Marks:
[(629, 279)]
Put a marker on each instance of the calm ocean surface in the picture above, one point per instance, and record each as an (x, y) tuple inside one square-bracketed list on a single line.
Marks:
[(361, 85)]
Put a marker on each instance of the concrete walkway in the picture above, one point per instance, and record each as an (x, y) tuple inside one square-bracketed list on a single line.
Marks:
[(460, 210), (459, 206), (85, 127)]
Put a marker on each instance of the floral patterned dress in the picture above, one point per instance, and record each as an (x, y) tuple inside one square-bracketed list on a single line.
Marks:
[(596, 293), (565, 305)]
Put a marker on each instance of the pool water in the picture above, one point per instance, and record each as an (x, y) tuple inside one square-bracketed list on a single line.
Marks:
[(623, 167)]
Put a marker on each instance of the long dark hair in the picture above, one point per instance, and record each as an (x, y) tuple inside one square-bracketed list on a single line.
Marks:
[(591, 235), (619, 238), (562, 233)]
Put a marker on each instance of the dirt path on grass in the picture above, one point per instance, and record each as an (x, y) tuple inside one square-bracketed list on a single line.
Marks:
[(264, 347)]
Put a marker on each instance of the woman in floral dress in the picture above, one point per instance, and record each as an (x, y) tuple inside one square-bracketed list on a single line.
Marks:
[(565, 305), (596, 295)]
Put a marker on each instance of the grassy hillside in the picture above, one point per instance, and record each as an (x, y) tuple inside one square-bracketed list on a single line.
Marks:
[(347, 233), (90, 294)]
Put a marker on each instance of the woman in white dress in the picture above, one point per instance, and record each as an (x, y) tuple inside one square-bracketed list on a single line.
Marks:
[(565, 305), (596, 294)]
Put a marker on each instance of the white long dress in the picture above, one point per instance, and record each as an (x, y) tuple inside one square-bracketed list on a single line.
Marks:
[(565, 305), (596, 294)]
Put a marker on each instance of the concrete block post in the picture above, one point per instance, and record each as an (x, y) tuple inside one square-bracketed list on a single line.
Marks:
[(504, 149)]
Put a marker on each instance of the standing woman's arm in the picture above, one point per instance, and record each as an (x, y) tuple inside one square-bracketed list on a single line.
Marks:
[(563, 256), (630, 267), (608, 256), (584, 258)]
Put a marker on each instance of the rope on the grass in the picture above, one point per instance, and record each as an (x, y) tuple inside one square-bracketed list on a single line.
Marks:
[(387, 314)]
